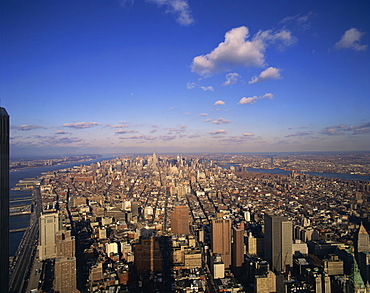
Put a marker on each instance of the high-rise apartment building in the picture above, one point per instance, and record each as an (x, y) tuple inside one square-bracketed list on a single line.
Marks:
[(4, 199), (65, 262), (278, 242), (180, 220), (221, 239), (49, 226), (65, 275)]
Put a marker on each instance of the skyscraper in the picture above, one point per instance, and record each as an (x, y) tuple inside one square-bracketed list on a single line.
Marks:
[(238, 247), (4, 200), (278, 242), (180, 220), (362, 240), (221, 239)]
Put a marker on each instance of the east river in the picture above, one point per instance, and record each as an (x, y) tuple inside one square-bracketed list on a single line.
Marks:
[(18, 222)]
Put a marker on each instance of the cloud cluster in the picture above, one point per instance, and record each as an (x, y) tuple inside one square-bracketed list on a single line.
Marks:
[(140, 137), (231, 78), (221, 121), (122, 125), (81, 125), (342, 129), (238, 50), (177, 130), (239, 138), (124, 131), (27, 127), (269, 73), (179, 8), (351, 40), (207, 88), (61, 132), (302, 21), (220, 131), (252, 100), (298, 134), (192, 85)]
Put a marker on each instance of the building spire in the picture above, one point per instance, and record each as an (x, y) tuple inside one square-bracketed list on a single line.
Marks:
[(355, 278)]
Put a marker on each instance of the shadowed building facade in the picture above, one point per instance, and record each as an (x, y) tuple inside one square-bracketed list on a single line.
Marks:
[(278, 242), (147, 256), (238, 247), (4, 200)]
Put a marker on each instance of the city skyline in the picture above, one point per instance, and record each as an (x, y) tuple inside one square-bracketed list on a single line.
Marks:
[(185, 76)]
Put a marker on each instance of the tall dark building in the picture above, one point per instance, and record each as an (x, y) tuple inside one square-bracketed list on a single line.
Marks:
[(238, 247), (221, 239), (278, 242), (180, 220), (148, 256), (4, 200)]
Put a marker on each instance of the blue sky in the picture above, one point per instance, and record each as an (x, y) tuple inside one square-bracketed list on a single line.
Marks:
[(124, 76)]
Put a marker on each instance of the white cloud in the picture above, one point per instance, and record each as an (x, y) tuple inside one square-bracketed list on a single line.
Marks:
[(203, 114), (282, 38), (207, 88), (252, 100), (234, 51), (27, 127), (300, 134), (123, 131), (302, 21), (221, 120), (180, 8), (120, 125), (245, 100), (248, 134), (61, 132), (220, 131), (237, 50), (342, 129), (125, 3), (191, 85), (81, 125), (269, 73), (208, 120), (139, 137), (267, 96), (351, 40), (218, 103), (231, 78), (167, 137)]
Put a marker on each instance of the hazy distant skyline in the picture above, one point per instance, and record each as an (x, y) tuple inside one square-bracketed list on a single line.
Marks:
[(137, 76)]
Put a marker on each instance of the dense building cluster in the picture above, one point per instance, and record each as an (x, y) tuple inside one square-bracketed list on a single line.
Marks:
[(195, 224)]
